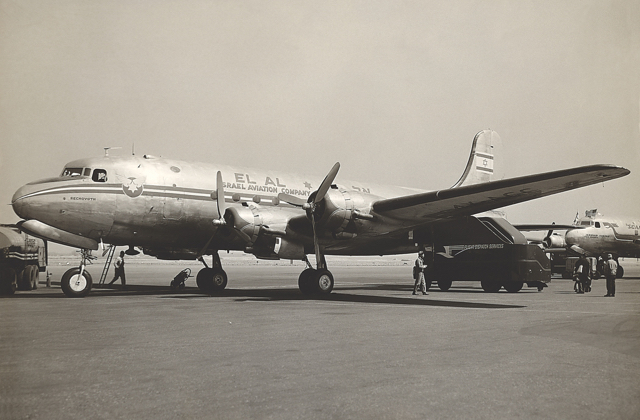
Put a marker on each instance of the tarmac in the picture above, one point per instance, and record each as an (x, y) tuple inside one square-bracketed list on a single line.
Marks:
[(370, 350)]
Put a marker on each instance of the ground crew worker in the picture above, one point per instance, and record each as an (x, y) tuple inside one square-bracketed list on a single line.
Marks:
[(119, 265), (418, 275), (582, 271), (610, 271)]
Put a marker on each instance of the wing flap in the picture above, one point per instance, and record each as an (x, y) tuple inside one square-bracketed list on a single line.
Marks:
[(471, 199)]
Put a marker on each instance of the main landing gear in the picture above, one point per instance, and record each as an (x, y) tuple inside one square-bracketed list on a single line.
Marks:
[(212, 279), (77, 282), (316, 281)]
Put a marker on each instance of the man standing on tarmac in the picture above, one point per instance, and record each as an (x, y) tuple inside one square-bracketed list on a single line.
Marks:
[(610, 271), (583, 271), (418, 275), (119, 264)]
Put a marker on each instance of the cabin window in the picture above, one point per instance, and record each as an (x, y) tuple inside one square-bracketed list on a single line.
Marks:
[(99, 175), (87, 171), (72, 172), (598, 224)]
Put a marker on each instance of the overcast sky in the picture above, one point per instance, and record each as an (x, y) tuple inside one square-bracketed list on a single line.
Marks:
[(394, 90)]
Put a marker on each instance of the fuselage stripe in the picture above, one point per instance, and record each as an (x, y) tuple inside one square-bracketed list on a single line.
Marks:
[(149, 191)]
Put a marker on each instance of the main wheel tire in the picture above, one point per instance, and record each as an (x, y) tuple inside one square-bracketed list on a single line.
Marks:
[(8, 280), (513, 286), (211, 280), (74, 285), (444, 285), (322, 281), (305, 281), (490, 286), (204, 280), (219, 280), (619, 272)]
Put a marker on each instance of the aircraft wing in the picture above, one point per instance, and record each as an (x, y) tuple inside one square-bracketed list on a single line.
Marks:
[(424, 208), (534, 227)]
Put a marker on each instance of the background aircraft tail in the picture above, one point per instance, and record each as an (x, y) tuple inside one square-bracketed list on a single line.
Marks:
[(480, 167)]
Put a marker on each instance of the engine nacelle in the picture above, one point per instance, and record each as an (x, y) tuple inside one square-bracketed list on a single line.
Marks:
[(244, 219), (339, 209), (554, 241)]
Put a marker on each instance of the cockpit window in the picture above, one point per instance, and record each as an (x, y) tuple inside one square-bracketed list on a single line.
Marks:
[(99, 175), (87, 171), (72, 172), (585, 223)]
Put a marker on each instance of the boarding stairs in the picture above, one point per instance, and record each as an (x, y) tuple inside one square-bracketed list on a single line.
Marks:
[(109, 253)]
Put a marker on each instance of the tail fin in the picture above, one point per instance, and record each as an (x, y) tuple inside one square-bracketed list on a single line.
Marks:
[(480, 165)]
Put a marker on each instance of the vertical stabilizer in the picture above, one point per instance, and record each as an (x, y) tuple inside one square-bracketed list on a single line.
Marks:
[(480, 167)]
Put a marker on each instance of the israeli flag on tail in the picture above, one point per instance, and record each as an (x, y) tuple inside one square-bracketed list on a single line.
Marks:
[(479, 168)]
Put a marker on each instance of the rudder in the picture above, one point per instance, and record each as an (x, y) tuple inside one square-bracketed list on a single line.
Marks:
[(480, 167)]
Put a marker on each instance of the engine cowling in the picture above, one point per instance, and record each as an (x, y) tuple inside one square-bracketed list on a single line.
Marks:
[(246, 220), (554, 241), (337, 211)]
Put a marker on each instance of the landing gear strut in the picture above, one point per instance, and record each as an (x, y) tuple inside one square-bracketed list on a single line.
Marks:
[(212, 279), (77, 282)]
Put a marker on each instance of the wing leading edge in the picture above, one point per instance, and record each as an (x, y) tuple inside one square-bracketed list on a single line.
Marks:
[(471, 199)]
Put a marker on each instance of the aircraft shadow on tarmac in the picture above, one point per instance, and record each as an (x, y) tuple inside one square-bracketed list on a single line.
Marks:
[(271, 295)]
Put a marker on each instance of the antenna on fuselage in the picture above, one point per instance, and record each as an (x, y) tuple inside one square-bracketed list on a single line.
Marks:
[(106, 150), (133, 149)]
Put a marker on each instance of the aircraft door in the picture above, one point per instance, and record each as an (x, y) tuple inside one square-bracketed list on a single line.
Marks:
[(173, 208), (173, 205)]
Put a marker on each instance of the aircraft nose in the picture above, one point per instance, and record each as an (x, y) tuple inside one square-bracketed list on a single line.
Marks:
[(20, 199)]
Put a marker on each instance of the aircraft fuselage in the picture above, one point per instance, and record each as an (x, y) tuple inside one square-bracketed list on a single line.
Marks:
[(163, 204), (602, 235)]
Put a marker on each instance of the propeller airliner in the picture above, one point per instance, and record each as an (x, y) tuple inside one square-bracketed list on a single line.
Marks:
[(593, 235), (185, 210)]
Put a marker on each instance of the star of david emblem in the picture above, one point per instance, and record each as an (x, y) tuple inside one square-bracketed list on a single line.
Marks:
[(485, 162), (132, 189), (307, 185)]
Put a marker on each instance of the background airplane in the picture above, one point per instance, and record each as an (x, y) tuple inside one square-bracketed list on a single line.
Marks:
[(593, 235), (184, 210)]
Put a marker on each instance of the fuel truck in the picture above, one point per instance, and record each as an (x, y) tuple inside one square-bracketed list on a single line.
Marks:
[(22, 259)]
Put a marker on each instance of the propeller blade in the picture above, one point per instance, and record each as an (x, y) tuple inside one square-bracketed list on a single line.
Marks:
[(326, 183), (292, 199), (220, 195)]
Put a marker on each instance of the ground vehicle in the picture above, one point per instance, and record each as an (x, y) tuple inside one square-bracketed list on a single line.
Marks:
[(495, 265), (22, 258)]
